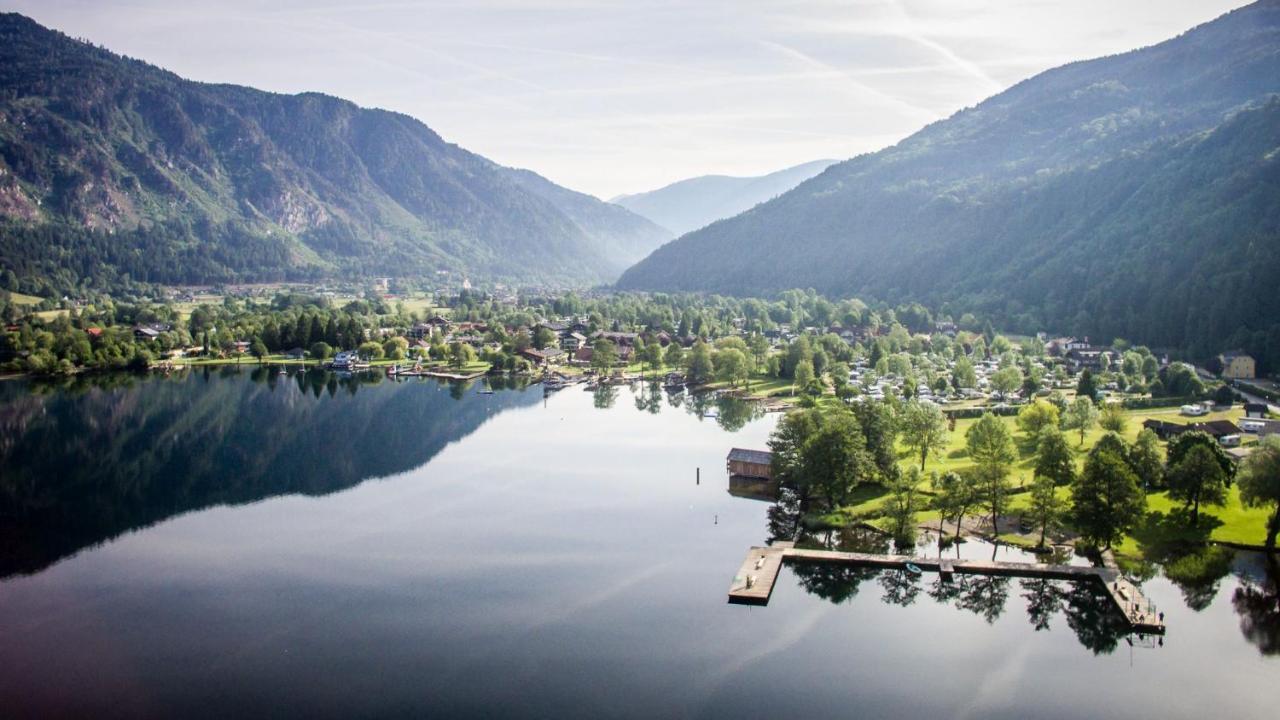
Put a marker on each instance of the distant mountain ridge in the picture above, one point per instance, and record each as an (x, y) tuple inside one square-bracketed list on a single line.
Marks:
[(113, 167), (1136, 195), (697, 202)]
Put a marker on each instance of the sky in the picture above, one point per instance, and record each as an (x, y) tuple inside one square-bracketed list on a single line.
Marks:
[(620, 97)]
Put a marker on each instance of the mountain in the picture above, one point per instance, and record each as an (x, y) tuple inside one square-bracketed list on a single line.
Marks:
[(697, 202), (625, 236), (110, 167), (1134, 196)]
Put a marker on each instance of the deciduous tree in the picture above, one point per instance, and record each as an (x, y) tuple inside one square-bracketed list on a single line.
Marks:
[(1105, 498), (1081, 415), (923, 427), (1260, 483), (1197, 479), (991, 447)]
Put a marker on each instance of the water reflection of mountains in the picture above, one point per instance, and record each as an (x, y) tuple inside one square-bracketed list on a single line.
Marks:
[(89, 459), (1087, 610)]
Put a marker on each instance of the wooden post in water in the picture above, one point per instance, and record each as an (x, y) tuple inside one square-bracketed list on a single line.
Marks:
[(698, 477)]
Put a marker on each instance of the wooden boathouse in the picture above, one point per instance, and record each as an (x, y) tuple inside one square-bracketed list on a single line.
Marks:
[(750, 463)]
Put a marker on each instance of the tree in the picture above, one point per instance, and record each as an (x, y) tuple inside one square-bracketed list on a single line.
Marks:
[(653, 356), (1006, 380), (1081, 415), (1053, 457), (839, 373), (461, 354), (1106, 499), (880, 430), (370, 350), (1146, 459), (321, 351), (395, 348), (731, 366), (1046, 507), (675, 355), (1183, 443), (522, 340), (902, 506), (953, 494), (1085, 387), (821, 452), (698, 366), (1197, 479), (1223, 396), (803, 375), (923, 427), (258, 349), (1035, 417), (604, 354), (1113, 419), (991, 447), (963, 374), (759, 347), (1260, 483), (1030, 384), (542, 337)]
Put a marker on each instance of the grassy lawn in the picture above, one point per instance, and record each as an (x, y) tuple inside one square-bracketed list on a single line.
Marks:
[(21, 299), (424, 306), (761, 386)]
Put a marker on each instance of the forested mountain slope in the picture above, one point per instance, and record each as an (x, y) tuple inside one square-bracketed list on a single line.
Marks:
[(1136, 195), (697, 202), (624, 235), (110, 166)]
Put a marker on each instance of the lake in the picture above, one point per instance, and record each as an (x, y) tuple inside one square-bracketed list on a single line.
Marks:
[(250, 543)]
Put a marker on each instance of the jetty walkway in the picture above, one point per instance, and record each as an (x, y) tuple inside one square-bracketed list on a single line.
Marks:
[(755, 579)]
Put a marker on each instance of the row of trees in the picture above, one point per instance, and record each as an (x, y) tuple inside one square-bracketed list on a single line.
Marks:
[(827, 453)]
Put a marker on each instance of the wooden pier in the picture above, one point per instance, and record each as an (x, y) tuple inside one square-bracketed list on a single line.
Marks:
[(755, 579)]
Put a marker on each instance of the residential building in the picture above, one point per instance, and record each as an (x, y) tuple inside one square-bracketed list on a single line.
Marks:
[(1237, 366)]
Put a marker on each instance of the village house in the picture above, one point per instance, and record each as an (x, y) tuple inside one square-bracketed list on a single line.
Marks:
[(542, 357), (1090, 358), (621, 339), (1237, 366), (345, 360), (1059, 347), (570, 342), (1255, 410), (1220, 430)]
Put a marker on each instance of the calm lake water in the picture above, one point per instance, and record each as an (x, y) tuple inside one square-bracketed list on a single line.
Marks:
[(254, 544)]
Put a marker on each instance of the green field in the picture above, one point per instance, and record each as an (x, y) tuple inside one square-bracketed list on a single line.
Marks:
[(21, 299)]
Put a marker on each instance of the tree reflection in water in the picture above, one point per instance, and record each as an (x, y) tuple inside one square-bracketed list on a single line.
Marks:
[(1199, 574), (1094, 619), (649, 398), (1044, 600), (900, 587), (1257, 602), (784, 517), (604, 396), (983, 595), (1089, 612), (731, 414)]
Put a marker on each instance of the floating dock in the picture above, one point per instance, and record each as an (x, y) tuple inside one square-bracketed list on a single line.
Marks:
[(755, 579)]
